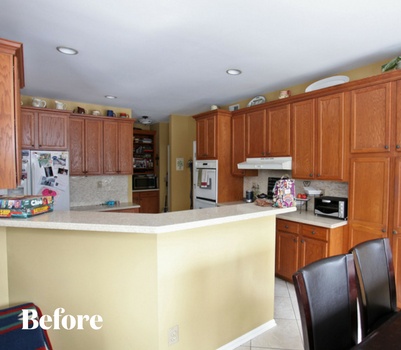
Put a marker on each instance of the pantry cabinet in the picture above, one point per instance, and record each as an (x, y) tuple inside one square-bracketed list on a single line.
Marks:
[(299, 244), (11, 81), (44, 129), (268, 132), (320, 138), (117, 147), (86, 146), (144, 151)]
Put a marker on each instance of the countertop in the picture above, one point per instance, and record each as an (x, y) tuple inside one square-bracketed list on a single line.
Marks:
[(144, 223), (307, 217), (103, 207)]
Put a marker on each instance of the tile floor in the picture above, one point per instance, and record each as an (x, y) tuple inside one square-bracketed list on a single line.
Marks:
[(287, 335)]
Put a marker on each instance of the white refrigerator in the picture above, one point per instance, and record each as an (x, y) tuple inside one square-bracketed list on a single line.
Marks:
[(46, 173)]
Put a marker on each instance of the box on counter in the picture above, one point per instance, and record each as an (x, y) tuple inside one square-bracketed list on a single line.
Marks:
[(25, 206)]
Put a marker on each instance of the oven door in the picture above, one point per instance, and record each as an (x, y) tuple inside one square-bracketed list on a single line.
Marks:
[(204, 203), (206, 184)]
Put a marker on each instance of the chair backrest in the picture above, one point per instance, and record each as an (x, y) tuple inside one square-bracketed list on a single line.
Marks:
[(12, 334), (376, 282), (327, 293)]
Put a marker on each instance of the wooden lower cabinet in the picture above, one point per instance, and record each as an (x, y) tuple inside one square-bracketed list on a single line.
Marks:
[(148, 200), (130, 210), (299, 244)]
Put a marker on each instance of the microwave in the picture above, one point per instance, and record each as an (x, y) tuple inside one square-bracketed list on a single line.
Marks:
[(334, 207), (144, 182)]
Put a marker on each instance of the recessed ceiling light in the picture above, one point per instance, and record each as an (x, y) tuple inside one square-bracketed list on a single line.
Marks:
[(110, 97), (67, 50), (233, 71)]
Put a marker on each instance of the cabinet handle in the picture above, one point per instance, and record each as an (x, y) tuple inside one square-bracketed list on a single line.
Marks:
[(394, 232), (313, 232), (386, 147), (397, 146), (318, 175), (286, 226), (383, 230), (302, 241), (311, 175), (295, 240)]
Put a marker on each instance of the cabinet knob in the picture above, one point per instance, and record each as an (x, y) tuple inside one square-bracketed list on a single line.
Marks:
[(313, 232), (302, 241), (383, 230), (386, 147), (394, 232), (295, 240), (310, 175), (286, 226), (318, 175), (397, 146)]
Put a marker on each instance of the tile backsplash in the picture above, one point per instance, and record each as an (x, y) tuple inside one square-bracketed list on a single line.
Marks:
[(94, 190), (329, 188)]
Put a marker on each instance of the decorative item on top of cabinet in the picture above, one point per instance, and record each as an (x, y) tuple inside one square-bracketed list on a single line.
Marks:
[(144, 151), (117, 147), (320, 138), (11, 81), (44, 129), (148, 200), (299, 244)]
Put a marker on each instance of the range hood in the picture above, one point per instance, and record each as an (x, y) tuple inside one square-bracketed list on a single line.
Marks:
[(275, 163)]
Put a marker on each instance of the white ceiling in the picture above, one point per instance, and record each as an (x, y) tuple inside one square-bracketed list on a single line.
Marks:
[(165, 57)]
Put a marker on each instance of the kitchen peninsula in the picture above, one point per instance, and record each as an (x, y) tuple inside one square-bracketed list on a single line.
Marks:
[(209, 273)]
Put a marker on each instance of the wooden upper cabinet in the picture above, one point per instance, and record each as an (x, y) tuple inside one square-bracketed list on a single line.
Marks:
[(303, 139), (397, 127), (238, 155), (44, 129), (117, 147), (371, 119), (86, 146), (206, 137), (11, 81), (268, 132), (331, 138)]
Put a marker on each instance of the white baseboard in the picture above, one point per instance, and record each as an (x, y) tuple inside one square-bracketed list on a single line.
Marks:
[(248, 336)]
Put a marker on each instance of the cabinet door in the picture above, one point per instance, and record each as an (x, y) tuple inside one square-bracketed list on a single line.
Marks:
[(110, 147), (370, 119), (148, 200), (303, 139), (286, 254), (52, 131), (398, 117), (256, 134), (93, 147), (330, 145), (77, 146), (238, 146), (311, 250), (396, 227), (125, 148), (206, 136), (368, 198), (279, 131), (28, 125)]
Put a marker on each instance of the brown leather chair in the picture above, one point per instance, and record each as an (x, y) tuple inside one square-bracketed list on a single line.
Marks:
[(376, 283), (327, 296)]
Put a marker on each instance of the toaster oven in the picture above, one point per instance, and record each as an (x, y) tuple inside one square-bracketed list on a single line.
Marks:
[(333, 207)]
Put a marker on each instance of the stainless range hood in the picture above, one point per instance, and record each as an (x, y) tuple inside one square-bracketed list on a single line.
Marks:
[(275, 163)]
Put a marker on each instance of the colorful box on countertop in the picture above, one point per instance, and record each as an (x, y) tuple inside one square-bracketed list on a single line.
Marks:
[(25, 206)]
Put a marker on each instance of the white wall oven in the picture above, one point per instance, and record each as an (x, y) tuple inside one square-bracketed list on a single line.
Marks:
[(205, 184)]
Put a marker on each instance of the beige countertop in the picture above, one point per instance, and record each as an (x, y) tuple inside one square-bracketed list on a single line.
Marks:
[(144, 223), (104, 207), (307, 217)]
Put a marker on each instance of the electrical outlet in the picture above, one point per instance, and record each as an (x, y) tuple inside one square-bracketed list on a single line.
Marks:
[(173, 335), (99, 184)]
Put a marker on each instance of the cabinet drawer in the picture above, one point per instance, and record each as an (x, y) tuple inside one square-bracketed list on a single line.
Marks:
[(287, 226), (315, 232)]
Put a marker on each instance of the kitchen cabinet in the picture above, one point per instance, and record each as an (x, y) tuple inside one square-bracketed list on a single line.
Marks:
[(238, 146), (144, 151), (86, 145), (131, 210), (148, 200), (213, 141), (268, 132), (117, 147), (11, 81), (206, 135), (299, 244), (44, 129), (320, 138)]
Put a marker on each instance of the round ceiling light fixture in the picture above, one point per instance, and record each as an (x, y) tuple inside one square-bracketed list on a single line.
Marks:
[(145, 120), (233, 71), (110, 97), (67, 50)]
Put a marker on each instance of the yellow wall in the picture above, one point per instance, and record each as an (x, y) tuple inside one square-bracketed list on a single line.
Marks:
[(216, 283), (182, 134)]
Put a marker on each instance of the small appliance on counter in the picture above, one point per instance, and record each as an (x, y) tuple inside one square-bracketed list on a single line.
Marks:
[(334, 207)]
